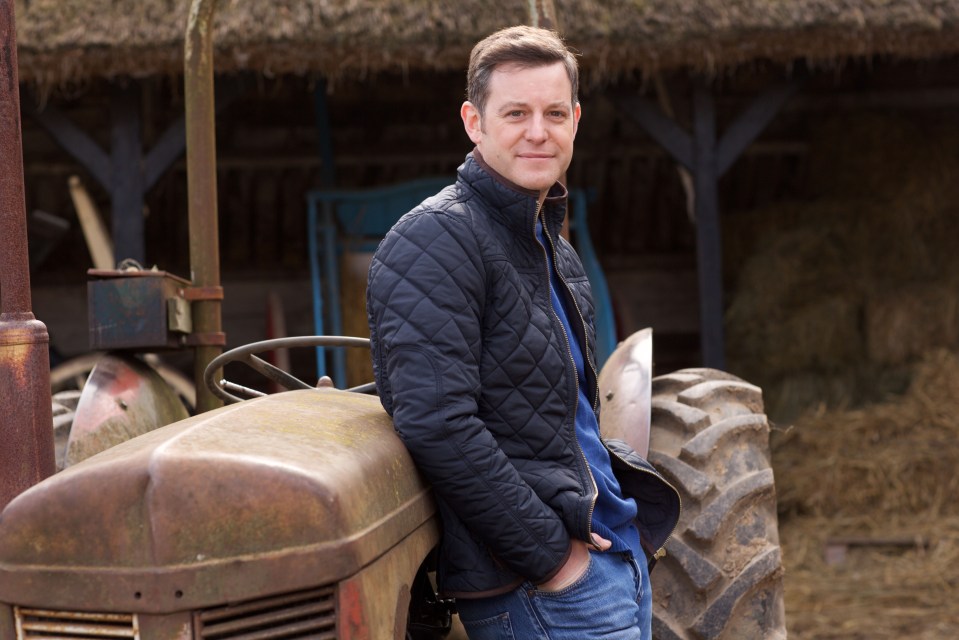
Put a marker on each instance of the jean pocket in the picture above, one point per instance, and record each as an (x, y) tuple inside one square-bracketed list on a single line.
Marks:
[(572, 587), (496, 628)]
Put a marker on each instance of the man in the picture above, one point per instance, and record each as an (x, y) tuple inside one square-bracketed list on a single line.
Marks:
[(482, 333)]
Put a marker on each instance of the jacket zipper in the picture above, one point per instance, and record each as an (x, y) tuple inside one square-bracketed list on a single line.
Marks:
[(569, 353), (582, 322)]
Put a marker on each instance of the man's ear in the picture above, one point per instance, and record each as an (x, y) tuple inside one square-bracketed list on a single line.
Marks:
[(577, 112), (472, 121)]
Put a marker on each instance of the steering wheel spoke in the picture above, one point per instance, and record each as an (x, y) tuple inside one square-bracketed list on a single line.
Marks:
[(276, 374), (226, 390)]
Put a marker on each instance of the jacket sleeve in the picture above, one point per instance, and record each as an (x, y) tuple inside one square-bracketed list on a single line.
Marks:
[(425, 300)]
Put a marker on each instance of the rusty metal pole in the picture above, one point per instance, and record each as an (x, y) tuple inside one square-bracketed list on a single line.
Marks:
[(201, 189), (26, 422)]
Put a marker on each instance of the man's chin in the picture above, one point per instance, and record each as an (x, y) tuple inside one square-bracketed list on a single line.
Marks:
[(537, 183)]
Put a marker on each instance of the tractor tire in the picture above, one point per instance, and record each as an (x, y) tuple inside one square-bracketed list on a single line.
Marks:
[(722, 575)]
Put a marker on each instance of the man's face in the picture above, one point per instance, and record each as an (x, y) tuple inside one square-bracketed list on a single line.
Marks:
[(527, 129)]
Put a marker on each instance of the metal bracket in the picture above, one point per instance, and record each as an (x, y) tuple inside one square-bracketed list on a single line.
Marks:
[(212, 339), (194, 294)]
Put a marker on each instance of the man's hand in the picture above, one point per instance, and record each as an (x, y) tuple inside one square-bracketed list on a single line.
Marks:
[(576, 564)]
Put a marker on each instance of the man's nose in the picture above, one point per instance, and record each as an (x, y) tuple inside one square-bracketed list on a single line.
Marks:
[(537, 131)]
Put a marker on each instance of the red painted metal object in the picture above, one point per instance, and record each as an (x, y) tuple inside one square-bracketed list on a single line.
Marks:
[(123, 398), (26, 421)]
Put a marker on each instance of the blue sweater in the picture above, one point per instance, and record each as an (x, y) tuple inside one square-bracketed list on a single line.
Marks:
[(613, 515)]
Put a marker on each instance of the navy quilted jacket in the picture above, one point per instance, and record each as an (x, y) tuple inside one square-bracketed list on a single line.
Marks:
[(473, 365)]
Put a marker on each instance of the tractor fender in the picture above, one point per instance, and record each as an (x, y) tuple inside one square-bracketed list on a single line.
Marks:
[(625, 388)]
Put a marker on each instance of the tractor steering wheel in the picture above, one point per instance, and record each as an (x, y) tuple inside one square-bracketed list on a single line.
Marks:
[(225, 390)]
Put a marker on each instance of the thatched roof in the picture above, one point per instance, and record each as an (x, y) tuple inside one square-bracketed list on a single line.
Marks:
[(66, 40)]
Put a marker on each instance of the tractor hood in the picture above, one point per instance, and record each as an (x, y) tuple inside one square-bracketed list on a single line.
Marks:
[(294, 489)]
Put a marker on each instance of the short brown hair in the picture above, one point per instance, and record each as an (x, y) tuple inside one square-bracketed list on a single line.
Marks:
[(522, 45)]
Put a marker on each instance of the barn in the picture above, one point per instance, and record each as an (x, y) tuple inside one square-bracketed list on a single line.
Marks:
[(770, 186)]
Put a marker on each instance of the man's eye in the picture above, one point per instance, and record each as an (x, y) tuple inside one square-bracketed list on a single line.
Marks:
[(557, 114), (515, 114)]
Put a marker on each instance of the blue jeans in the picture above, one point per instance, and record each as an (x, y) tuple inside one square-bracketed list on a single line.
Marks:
[(611, 601)]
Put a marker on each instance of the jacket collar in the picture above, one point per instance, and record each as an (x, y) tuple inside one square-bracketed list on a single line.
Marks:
[(512, 205)]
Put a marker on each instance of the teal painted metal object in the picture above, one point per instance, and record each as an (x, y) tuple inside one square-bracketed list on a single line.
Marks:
[(605, 319), (358, 219)]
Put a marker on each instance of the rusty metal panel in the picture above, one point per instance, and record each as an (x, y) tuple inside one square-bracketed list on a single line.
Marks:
[(281, 493), (41, 624), (8, 629), (130, 309), (173, 626)]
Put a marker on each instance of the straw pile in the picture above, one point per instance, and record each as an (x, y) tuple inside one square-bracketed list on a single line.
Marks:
[(836, 298), (881, 479), (74, 41), (845, 312)]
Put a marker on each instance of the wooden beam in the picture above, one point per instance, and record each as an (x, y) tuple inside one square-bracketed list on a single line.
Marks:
[(660, 127), (77, 143), (94, 231), (708, 241), (169, 146), (707, 159), (172, 142), (542, 13), (126, 173), (751, 122), (324, 135), (933, 98), (126, 186)]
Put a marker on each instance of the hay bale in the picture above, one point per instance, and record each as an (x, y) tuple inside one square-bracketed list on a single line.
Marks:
[(880, 472), (904, 323), (787, 398), (876, 154), (885, 460), (796, 307), (885, 216), (822, 335)]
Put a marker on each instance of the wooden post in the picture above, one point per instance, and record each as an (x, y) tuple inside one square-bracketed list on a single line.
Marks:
[(126, 175), (542, 13), (708, 158), (708, 240)]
